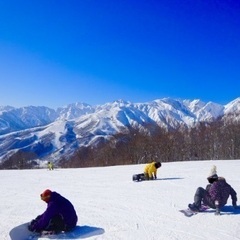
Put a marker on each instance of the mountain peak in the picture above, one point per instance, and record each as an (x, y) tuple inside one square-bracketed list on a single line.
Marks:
[(58, 132)]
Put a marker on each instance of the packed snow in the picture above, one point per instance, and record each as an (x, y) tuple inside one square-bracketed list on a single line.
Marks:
[(106, 198)]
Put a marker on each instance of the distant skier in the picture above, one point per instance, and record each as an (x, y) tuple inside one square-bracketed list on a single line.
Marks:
[(215, 195), (59, 216), (150, 172), (50, 165)]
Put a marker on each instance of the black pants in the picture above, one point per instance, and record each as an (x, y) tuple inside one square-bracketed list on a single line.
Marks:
[(56, 224), (201, 196)]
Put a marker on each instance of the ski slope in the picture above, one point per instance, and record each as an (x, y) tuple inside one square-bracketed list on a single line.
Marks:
[(107, 199)]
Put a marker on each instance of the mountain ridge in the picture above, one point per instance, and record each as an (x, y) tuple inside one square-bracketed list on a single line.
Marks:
[(52, 134)]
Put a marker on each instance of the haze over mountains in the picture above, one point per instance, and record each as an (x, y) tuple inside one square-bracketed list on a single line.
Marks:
[(54, 133)]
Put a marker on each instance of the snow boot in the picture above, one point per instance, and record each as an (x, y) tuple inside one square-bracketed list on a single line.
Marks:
[(193, 207)]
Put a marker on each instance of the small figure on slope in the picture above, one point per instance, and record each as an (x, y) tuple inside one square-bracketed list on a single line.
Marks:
[(150, 172), (50, 165), (215, 195), (59, 216)]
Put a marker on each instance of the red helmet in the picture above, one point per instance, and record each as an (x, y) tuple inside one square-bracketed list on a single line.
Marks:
[(45, 196)]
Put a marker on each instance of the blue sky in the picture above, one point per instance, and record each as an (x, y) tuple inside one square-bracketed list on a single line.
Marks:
[(56, 52)]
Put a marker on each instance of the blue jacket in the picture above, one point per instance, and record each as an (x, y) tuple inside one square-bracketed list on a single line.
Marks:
[(57, 205)]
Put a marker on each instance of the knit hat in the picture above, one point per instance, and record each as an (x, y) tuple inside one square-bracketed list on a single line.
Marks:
[(45, 196), (213, 173), (158, 164)]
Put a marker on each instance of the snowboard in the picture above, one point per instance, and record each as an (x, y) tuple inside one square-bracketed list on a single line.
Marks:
[(138, 177), (189, 213), (21, 232)]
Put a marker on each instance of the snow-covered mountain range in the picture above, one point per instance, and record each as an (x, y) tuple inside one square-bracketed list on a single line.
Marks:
[(54, 133)]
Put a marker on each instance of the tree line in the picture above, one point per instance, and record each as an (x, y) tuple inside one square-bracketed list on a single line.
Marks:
[(219, 139), (215, 140)]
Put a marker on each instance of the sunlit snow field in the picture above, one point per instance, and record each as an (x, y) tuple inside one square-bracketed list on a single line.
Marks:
[(107, 198)]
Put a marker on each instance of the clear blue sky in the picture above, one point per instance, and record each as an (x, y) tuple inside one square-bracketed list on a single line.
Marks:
[(56, 52)]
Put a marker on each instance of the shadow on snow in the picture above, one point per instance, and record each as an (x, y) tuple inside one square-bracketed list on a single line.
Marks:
[(21, 232), (81, 232), (229, 210), (173, 178)]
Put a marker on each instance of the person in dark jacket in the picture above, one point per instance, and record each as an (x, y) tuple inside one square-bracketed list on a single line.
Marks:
[(59, 216), (215, 195)]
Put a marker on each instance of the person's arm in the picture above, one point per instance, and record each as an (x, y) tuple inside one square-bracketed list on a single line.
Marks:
[(233, 195), (215, 193), (43, 221), (155, 174), (217, 207)]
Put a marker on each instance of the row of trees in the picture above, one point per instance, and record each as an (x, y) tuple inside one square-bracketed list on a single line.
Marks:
[(20, 160), (216, 140)]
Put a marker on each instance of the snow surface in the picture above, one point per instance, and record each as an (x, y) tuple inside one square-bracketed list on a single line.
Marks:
[(107, 198)]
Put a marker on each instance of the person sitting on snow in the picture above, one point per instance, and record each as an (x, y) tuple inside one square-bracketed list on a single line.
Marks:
[(150, 170), (215, 195), (59, 216)]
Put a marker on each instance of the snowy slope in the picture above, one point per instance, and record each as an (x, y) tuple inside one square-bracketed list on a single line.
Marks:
[(107, 198), (233, 109)]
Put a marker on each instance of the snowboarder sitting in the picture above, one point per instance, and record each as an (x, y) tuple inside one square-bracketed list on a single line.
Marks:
[(215, 195), (59, 216), (150, 170)]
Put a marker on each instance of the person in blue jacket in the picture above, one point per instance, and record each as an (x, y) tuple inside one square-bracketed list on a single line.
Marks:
[(59, 216)]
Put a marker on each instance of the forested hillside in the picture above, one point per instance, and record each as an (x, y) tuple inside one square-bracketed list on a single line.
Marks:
[(217, 140)]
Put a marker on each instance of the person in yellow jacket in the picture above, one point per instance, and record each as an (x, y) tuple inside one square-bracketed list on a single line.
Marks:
[(150, 170), (50, 165)]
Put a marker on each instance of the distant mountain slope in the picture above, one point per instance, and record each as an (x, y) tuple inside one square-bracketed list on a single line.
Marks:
[(15, 119), (54, 133)]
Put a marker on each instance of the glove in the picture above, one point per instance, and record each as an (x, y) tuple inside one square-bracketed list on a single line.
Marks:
[(38, 217), (31, 226)]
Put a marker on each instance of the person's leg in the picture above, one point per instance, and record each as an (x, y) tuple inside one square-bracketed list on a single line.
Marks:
[(198, 198), (146, 176), (56, 224), (208, 201)]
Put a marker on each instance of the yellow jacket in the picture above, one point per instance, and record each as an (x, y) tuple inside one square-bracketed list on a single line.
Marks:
[(50, 166), (151, 170)]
